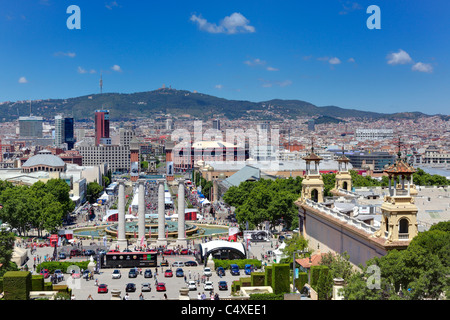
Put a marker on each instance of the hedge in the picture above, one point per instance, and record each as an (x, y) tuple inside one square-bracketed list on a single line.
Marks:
[(17, 285), (246, 282), (257, 279), (268, 277), (236, 286), (266, 296), (241, 263), (301, 280), (315, 274), (51, 266), (37, 282), (280, 278)]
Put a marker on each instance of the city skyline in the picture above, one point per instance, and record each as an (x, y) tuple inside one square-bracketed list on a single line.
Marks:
[(256, 51)]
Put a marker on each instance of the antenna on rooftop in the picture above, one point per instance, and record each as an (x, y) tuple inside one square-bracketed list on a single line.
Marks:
[(101, 83)]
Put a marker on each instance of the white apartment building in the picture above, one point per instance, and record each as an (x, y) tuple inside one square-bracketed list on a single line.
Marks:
[(116, 157), (373, 134)]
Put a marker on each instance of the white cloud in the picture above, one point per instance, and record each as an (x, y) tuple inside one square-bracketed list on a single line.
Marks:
[(218, 86), (23, 80), (111, 5), (235, 23), (116, 68), (334, 61), (255, 62), (81, 70), (351, 60), (269, 84), (65, 54), (400, 57), (271, 69), (422, 67)]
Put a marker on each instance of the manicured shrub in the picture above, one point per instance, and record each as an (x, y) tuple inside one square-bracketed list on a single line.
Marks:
[(266, 296), (51, 266), (268, 277), (48, 286), (280, 278), (17, 285), (37, 282), (257, 279), (246, 282), (301, 280)]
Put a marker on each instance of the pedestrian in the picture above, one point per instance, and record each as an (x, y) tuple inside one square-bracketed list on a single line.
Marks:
[(141, 296), (90, 298)]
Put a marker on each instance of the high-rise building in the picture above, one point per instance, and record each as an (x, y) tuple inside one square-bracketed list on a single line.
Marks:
[(31, 126), (102, 127), (69, 137), (59, 131), (311, 125), (64, 132), (216, 124)]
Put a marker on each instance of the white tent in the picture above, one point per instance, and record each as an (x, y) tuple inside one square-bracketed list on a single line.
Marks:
[(278, 253), (19, 256), (204, 202)]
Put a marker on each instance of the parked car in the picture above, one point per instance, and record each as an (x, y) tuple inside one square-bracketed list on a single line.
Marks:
[(220, 271), (168, 273), (132, 273), (102, 288), (44, 272), (89, 252), (161, 286), (146, 287), (179, 272), (207, 272), (208, 286), (148, 273), (234, 270), (62, 256), (186, 251), (75, 253), (116, 274), (59, 275), (191, 263), (131, 287), (178, 264), (223, 285), (192, 285), (248, 269), (168, 252)]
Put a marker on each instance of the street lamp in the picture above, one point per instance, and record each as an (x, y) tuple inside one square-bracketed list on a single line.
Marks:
[(293, 266)]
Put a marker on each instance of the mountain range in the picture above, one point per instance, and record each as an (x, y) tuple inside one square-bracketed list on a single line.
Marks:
[(160, 102)]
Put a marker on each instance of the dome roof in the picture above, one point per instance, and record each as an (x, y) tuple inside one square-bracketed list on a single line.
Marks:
[(44, 158)]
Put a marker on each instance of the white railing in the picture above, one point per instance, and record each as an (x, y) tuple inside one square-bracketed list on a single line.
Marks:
[(342, 217)]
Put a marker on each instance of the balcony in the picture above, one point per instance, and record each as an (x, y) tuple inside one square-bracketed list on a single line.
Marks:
[(403, 236)]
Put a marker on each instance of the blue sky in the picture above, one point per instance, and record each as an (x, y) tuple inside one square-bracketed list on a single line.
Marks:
[(318, 51)]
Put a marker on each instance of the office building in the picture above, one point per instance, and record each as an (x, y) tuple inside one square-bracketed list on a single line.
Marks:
[(102, 127), (216, 124), (30, 127), (59, 131), (69, 136), (374, 134)]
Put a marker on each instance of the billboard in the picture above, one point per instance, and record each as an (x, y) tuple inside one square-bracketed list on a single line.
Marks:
[(134, 171), (169, 168), (257, 235)]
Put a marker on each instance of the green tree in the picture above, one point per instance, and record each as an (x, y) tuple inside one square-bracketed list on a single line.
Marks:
[(93, 191), (339, 265), (296, 243), (6, 251)]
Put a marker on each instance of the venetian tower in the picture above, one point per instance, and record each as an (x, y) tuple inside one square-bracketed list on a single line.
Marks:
[(343, 177), (399, 212), (312, 184)]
